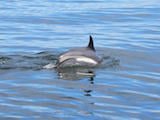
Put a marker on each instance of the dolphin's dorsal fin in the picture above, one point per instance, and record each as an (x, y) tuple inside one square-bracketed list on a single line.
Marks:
[(91, 44)]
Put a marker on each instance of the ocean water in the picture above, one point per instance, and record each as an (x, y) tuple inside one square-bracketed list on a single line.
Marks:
[(126, 34)]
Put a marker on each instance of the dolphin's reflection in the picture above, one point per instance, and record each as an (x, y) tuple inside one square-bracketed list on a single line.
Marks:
[(78, 73), (75, 73), (88, 91)]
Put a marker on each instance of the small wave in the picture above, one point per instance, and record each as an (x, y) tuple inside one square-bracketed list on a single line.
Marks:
[(42, 60), (26, 61), (4, 59)]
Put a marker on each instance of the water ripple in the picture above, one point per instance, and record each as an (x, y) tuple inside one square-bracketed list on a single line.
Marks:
[(125, 86)]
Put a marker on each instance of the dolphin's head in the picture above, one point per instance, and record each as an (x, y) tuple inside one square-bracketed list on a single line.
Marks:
[(85, 56)]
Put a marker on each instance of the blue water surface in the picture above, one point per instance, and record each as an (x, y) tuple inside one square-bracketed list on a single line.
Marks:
[(126, 34)]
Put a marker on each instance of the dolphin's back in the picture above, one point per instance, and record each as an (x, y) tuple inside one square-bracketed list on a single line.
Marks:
[(79, 57), (85, 56)]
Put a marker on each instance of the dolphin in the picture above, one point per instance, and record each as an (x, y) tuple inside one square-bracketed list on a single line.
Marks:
[(82, 57)]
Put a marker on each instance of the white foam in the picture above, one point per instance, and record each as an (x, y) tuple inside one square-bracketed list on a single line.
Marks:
[(49, 66)]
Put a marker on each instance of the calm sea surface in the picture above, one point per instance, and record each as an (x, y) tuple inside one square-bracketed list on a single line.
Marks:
[(126, 34)]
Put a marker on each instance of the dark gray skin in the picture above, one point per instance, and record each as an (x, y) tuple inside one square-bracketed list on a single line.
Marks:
[(83, 57)]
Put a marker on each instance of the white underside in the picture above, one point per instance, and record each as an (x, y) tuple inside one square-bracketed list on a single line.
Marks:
[(86, 60)]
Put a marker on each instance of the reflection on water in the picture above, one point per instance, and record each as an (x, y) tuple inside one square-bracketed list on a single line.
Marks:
[(88, 92), (75, 73)]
